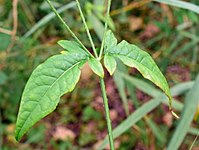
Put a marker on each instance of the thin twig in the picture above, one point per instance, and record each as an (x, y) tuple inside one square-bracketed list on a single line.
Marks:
[(2, 30), (86, 27), (105, 29), (15, 25), (27, 11), (129, 7), (194, 141), (68, 28)]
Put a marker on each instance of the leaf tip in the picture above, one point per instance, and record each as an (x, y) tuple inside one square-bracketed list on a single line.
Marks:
[(17, 137), (174, 114)]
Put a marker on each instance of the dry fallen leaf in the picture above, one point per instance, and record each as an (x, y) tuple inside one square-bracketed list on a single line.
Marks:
[(86, 72), (62, 133), (168, 119), (150, 31), (135, 23)]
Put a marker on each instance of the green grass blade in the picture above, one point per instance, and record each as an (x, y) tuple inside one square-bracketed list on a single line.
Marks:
[(120, 84), (141, 85), (132, 119), (191, 103), (46, 19), (193, 131), (141, 112), (156, 130), (181, 4)]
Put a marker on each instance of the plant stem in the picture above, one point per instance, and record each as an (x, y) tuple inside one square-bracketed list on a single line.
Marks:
[(86, 27), (68, 28), (105, 28), (108, 120)]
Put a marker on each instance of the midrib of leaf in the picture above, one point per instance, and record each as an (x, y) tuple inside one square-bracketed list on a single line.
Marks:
[(46, 92)]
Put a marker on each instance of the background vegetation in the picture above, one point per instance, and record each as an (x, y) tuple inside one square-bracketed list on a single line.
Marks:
[(139, 112)]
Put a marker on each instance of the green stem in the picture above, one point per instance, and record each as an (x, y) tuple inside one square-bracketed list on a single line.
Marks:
[(108, 120), (105, 28), (68, 28), (86, 27)]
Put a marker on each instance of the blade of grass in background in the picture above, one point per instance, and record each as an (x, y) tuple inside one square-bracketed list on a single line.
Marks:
[(1, 136), (97, 25), (181, 4), (191, 103), (132, 119), (141, 85), (120, 84), (48, 18), (156, 130), (141, 112), (152, 91), (193, 131)]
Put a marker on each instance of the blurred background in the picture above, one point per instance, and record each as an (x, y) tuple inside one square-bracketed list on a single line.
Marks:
[(29, 32)]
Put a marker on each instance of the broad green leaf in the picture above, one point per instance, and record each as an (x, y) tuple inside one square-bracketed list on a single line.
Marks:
[(191, 103), (110, 41), (71, 46), (110, 64), (96, 66), (133, 56), (48, 82)]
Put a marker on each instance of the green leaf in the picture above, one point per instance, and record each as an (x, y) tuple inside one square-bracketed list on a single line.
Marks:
[(190, 107), (71, 46), (48, 82), (110, 41), (133, 56), (96, 66), (110, 64)]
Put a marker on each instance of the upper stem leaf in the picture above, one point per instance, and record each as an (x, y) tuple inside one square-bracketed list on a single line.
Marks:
[(133, 56)]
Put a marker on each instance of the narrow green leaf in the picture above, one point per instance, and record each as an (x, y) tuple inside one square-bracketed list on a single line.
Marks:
[(120, 84), (133, 56), (156, 130), (48, 82), (96, 66), (71, 46), (132, 119), (46, 19), (97, 25), (181, 4), (110, 64), (191, 103)]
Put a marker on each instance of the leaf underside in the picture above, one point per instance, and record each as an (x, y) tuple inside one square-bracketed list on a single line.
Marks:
[(48, 82)]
